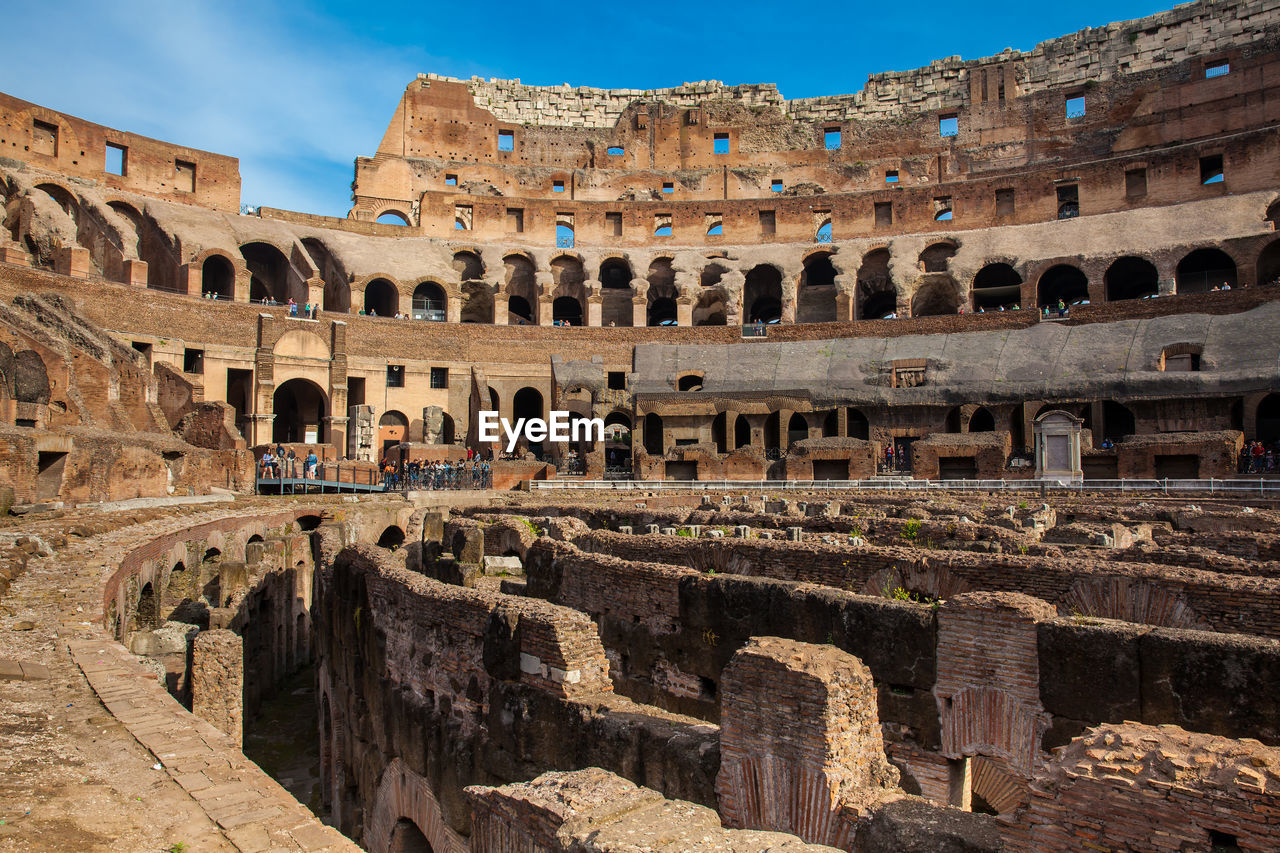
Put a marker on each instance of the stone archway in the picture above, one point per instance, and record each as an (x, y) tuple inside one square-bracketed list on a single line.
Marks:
[(404, 795), (300, 410)]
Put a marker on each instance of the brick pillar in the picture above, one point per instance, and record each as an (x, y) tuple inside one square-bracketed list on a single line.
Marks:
[(72, 261), (217, 681), (800, 744), (13, 253), (639, 311), (135, 273)]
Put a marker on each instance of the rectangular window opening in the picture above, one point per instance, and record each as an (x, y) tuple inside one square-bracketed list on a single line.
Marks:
[(462, 217), (721, 143), (884, 213), (506, 140), (662, 225), (948, 125), (616, 151), (450, 180), (1217, 69), (1004, 202), (1211, 169), (515, 220), (1135, 182), (668, 187), (184, 176), (117, 160), (942, 208), (617, 380), (193, 361), (1075, 106), (44, 138), (613, 224), (1068, 201), (776, 185), (395, 375), (831, 138), (557, 186), (439, 377), (768, 222), (891, 176)]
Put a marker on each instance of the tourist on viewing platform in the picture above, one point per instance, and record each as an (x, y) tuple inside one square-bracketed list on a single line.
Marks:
[(1257, 452), (1062, 308), (291, 463), (293, 308), (311, 464), (268, 465)]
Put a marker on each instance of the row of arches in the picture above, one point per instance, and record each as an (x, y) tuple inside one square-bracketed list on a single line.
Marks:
[(996, 286)]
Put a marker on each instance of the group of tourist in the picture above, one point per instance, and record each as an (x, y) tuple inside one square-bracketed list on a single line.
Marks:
[(1255, 458), (418, 474), (279, 463)]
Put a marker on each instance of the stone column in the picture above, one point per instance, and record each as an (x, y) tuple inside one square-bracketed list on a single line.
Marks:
[(217, 681), (801, 750), (135, 273)]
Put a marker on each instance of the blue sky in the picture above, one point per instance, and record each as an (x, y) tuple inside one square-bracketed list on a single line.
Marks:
[(297, 90)]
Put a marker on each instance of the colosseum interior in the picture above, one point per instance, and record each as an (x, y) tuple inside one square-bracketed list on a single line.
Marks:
[(935, 506)]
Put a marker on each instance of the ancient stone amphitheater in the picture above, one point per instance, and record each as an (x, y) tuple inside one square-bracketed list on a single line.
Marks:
[(927, 515)]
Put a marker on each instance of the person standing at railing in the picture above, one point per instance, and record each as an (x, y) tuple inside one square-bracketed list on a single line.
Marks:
[(311, 464)]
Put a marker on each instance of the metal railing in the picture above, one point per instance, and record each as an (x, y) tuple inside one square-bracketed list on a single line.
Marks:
[(1211, 486)]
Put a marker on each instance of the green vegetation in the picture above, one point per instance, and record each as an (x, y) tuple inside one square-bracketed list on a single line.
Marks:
[(911, 530)]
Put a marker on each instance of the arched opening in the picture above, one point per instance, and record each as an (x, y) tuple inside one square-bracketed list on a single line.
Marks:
[(996, 286), (711, 274), (468, 265), (407, 838), (429, 302), (1117, 421), (741, 432), (392, 217), (300, 409), (952, 422), (527, 403), (982, 421), (1269, 264), (662, 293), (617, 439), (566, 271), (567, 311), (393, 428), (877, 296), (823, 234), (1204, 270), (446, 435), (934, 258), (1268, 420), (522, 290), (1131, 278), (269, 268), (1062, 283), (148, 616), (218, 277), (719, 432), (615, 274), (1273, 215), (856, 424), (938, 295), (477, 302), (211, 577), (816, 301), (689, 382), (519, 311), (564, 236), (177, 589), (762, 295), (307, 523), (797, 428), (381, 298), (616, 292), (653, 442), (392, 537)]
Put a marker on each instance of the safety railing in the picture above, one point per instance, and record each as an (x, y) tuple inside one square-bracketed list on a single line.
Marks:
[(893, 484)]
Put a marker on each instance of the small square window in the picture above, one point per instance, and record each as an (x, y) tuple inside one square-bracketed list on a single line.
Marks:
[(721, 143), (776, 185), (715, 225), (193, 361), (450, 180), (668, 188), (617, 380), (891, 176), (1004, 202), (1211, 169), (1075, 106), (117, 160), (1217, 69), (557, 186), (1135, 182), (395, 375), (439, 377), (942, 209), (831, 138), (506, 140), (884, 213), (662, 225), (948, 125)]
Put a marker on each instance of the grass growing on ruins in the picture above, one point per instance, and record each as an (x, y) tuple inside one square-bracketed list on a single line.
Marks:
[(911, 530)]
